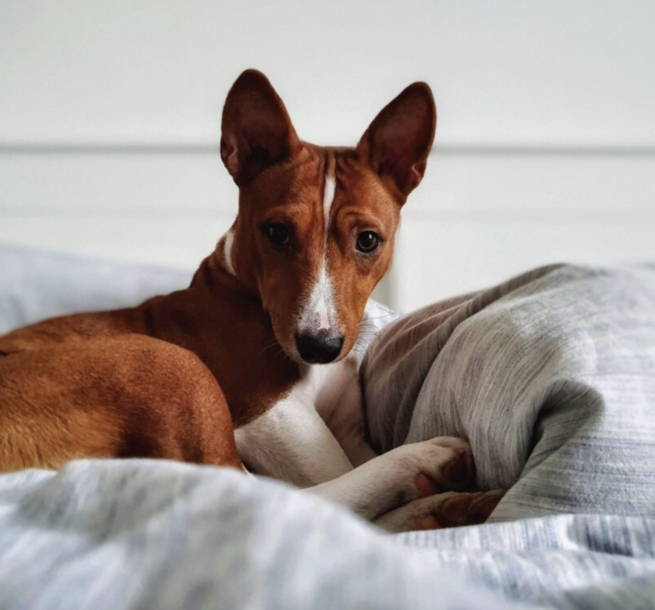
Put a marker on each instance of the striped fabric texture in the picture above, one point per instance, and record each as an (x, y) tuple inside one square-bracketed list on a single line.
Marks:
[(550, 375)]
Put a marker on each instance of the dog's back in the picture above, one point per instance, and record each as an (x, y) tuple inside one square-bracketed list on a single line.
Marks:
[(95, 385)]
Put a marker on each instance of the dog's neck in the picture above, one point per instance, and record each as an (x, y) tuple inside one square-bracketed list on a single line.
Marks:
[(225, 325), (217, 274)]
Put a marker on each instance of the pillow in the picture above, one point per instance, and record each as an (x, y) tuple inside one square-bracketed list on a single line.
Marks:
[(551, 377), (35, 284)]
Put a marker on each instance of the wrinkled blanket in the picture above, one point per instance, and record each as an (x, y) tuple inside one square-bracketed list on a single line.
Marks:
[(550, 375)]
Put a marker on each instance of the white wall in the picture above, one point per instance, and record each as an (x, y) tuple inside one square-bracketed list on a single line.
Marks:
[(110, 114)]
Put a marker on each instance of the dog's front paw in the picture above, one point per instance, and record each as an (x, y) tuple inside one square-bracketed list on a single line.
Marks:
[(440, 464), (441, 510), (401, 476)]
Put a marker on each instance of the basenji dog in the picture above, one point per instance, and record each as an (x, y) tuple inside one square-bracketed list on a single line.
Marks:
[(254, 363)]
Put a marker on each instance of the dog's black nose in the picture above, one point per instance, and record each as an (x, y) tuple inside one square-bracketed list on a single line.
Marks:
[(318, 349)]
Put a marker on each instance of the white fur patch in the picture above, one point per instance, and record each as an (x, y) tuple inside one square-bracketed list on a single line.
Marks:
[(328, 200), (228, 254), (319, 312), (321, 302), (291, 441), (323, 315)]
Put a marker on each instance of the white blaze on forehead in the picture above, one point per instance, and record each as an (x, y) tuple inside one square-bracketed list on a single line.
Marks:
[(328, 199), (319, 312), (228, 254)]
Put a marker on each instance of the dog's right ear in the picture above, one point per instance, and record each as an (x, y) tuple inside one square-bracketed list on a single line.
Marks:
[(257, 131)]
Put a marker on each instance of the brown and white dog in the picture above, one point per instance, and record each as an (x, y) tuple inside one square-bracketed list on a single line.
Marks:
[(227, 371)]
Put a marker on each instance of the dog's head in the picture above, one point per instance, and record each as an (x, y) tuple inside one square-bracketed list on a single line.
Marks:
[(316, 226)]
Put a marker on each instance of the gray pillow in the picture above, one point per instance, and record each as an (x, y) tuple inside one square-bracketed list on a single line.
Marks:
[(551, 377)]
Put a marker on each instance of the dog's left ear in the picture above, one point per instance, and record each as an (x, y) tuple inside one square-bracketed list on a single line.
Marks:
[(257, 130), (398, 141)]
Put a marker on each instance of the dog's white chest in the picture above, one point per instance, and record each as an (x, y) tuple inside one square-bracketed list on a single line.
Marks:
[(316, 432), (291, 440)]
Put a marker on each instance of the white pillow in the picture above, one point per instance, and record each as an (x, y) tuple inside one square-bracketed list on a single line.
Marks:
[(36, 284)]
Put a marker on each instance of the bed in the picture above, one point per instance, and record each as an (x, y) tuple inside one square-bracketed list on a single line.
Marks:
[(551, 376)]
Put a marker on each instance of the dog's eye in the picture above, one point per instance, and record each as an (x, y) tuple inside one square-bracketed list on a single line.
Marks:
[(367, 241), (278, 234)]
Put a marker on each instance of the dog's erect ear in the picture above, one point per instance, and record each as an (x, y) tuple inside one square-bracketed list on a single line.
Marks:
[(398, 141), (257, 131)]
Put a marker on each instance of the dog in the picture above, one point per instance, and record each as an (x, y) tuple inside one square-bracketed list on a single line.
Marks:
[(251, 366)]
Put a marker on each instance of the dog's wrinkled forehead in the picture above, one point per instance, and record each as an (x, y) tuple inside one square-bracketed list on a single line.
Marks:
[(320, 183), (314, 181), (290, 184)]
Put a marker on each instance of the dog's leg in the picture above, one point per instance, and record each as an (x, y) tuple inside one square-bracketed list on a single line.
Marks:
[(291, 442), (346, 421), (401, 476), (338, 400), (110, 397), (442, 510)]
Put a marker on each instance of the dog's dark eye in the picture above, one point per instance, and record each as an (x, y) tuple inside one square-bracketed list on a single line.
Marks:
[(278, 234), (367, 241)]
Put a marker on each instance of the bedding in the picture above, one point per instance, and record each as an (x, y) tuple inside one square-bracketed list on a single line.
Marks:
[(551, 375), (35, 285)]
